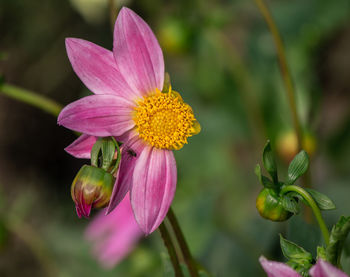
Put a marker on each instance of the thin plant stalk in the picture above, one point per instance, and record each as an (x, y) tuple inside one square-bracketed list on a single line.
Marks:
[(190, 262), (171, 249), (286, 76), (307, 197), (31, 98)]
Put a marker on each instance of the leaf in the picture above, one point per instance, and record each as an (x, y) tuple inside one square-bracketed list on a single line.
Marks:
[(269, 162), (294, 252), (290, 204), (297, 167), (266, 182), (337, 239), (323, 201)]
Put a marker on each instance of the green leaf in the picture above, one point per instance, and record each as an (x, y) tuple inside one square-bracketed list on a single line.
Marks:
[(323, 201), (297, 167), (266, 182), (294, 252), (95, 153), (269, 162), (290, 204), (337, 239)]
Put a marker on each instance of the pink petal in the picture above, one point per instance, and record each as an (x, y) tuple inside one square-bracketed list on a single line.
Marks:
[(97, 69), (131, 150), (137, 53), (276, 269), (81, 147), (115, 235), (325, 269), (153, 188), (98, 115)]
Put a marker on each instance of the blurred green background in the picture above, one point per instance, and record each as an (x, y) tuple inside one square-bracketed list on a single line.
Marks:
[(221, 58)]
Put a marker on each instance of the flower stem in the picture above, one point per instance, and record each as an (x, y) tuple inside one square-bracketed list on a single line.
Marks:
[(191, 265), (313, 206), (171, 249), (31, 98), (286, 76)]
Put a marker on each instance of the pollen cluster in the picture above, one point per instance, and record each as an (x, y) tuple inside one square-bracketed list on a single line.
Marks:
[(165, 121)]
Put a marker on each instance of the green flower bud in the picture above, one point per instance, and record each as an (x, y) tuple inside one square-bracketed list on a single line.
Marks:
[(269, 205), (91, 188)]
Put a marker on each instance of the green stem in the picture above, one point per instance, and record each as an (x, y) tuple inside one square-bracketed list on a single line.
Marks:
[(313, 206), (119, 156), (31, 98), (171, 249), (191, 264), (283, 66)]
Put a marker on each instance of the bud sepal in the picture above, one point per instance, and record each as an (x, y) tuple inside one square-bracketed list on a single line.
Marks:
[(270, 205), (91, 188)]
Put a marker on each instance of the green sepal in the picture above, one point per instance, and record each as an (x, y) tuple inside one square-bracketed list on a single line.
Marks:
[(298, 258), (303, 270), (297, 167), (290, 204), (337, 239), (92, 185), (108, 151), (321, 253), (102, 153), (269, 162), (269, 206), (266, 182), (323, 201), (95, 153), (294, 252)]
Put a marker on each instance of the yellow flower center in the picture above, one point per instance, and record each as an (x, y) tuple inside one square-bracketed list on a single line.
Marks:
[(165, 121)]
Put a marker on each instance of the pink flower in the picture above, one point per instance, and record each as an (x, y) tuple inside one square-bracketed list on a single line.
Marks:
[(320, 269), (276, 269), (114, 236), (129, 105), (325, 269)]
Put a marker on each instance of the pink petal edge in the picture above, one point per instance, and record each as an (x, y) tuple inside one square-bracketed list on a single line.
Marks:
[(114, 236), (277, 269), (137, 53), (130, 151), (81, 147), (153, 187), (96, 68), (325, 269), (98, 115)]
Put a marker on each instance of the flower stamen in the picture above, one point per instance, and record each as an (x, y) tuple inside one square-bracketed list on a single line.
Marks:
[(165, 121)]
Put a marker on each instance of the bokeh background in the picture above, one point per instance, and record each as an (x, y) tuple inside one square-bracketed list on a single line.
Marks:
[(221, 57)]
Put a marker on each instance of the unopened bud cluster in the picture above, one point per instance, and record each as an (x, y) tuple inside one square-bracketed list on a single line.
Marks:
[(93, 185)]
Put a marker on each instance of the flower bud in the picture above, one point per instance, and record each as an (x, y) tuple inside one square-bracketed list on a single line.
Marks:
[(91, 188), (287, 144), (270, 207)]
